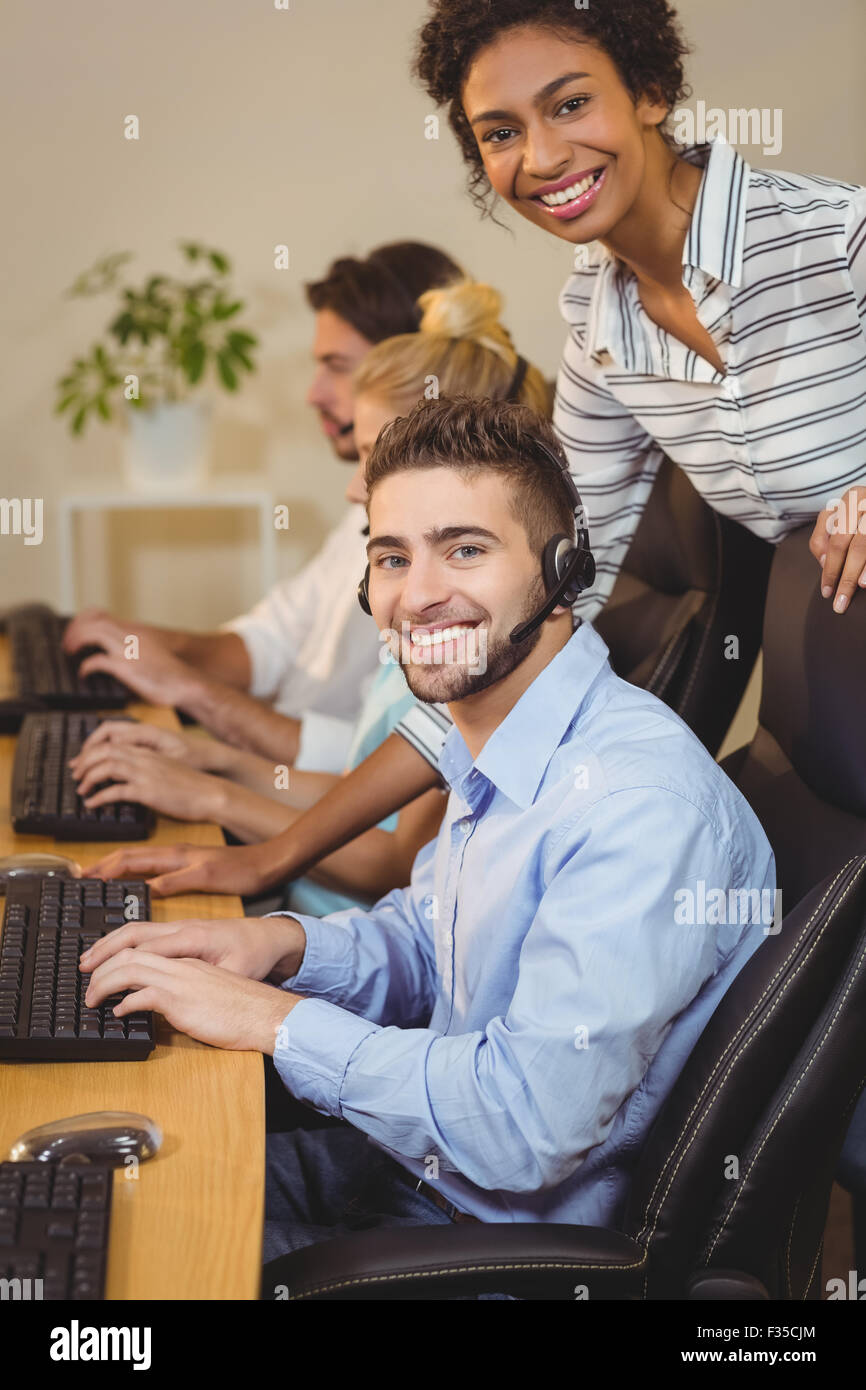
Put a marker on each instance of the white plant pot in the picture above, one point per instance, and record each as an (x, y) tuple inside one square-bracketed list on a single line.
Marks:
[(166, 447)]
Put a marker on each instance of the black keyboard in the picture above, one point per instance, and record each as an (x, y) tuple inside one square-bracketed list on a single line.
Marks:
[(54, 1220), (45, 798), (47, 924), (44, 675)]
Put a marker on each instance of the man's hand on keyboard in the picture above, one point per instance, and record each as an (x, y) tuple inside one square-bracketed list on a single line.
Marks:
[(187, 868), (193, 749), (203, 1000), (255, 947), (137, 774), (136, 658), (84, 629)]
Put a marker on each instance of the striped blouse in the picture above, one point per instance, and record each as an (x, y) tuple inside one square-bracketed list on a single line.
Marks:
[(776, 266)]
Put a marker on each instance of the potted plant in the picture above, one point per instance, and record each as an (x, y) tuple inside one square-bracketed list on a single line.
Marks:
[(163, 339)]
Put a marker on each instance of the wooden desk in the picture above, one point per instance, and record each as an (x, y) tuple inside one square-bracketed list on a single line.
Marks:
[(190, 1226)]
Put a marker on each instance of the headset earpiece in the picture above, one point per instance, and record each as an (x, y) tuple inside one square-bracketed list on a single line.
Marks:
[(561, 555), (364, 593), (554, 560)]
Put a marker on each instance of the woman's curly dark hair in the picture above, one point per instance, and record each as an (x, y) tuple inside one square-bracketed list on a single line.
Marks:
[(642, 37)]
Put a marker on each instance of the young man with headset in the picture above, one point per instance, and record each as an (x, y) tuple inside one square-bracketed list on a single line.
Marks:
[(505, 1029)]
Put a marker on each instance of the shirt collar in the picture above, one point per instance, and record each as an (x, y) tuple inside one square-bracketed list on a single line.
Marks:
[(717, 231), (516, 756)]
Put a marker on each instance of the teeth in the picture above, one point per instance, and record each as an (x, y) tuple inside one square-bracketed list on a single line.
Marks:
[(445, 634), (567, 195)]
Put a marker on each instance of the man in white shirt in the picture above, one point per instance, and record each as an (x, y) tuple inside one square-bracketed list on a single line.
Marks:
[(306, 648)]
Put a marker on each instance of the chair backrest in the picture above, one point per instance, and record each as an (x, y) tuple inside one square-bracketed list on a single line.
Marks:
[(737, 1169), (691, 581), (804, 773)]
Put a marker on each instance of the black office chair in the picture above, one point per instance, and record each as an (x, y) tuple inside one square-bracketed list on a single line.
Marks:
[(691, 580), (772, 1081), (774, 1077), (804, 772), (806, 765)]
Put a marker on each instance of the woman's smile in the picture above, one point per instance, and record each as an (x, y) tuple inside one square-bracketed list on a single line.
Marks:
[(571, 196)]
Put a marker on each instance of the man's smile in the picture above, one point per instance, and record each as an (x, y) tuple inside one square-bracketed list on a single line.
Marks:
[(437, 634)]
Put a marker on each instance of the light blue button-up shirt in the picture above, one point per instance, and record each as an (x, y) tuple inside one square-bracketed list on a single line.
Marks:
[(509, 1024)]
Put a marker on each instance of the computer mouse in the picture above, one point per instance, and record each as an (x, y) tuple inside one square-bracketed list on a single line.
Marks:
[(32, 865), (106, 1137)]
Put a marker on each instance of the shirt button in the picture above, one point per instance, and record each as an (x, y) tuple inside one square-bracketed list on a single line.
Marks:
[(465, 825), (581, 257), (731, 388)]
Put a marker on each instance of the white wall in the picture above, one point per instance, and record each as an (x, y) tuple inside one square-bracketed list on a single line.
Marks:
[(261, 126)]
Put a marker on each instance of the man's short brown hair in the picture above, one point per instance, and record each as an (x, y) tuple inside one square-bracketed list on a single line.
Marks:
[(474, 436), (379, 295)]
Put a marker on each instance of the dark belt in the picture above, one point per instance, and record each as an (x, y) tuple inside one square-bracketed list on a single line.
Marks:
[(419, 1185)]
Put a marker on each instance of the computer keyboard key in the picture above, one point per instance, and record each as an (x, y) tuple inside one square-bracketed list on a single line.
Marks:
[(61, 1230), (33, 1201)]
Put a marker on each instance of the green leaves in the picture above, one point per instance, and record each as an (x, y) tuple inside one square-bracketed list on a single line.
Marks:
[(101, 276), (193, 361), (85, 389), (166, 333), (194, 252), (225, 311), (226, 370), (238, 344)]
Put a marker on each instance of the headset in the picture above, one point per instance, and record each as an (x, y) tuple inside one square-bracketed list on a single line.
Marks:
[(567, 563)]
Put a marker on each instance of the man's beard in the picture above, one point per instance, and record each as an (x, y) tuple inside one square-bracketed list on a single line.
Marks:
[(457, 682)]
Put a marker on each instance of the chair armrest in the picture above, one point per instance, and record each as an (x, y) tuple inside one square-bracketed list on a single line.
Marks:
[(725, 1286), (533, 1261)]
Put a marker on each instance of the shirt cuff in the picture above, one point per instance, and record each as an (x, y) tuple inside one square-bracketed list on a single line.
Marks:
[(324, 742), (329, 962), (315, 1043)]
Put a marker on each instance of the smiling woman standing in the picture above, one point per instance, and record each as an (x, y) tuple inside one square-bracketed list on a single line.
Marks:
[(715, 312)]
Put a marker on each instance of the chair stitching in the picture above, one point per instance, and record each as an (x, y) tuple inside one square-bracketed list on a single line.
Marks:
[(734, 1042), (713, 608), (659, 672), (814, 1267), (746, 1021), (788, 1248), (814, 1057), (464, 1269), (697, 661), (732, 1064), (848, 1108)]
